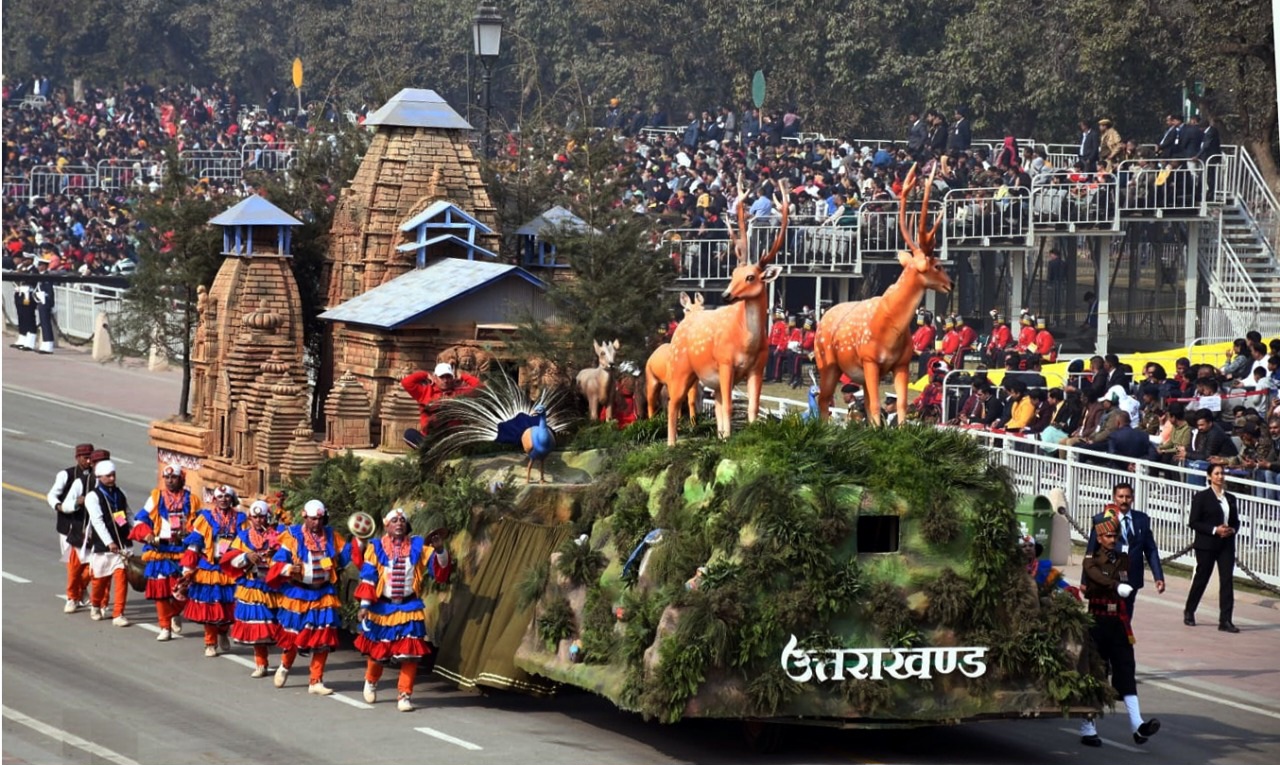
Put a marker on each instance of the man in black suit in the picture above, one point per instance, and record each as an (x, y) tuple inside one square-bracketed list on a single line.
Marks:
[(1136, 541), (1210, 147), (1215, 520), (917, 135), (1088, 146), (1126, 441), (960, 136), (1209, 443), (937, 133), (1192, 138), (1171, 140)]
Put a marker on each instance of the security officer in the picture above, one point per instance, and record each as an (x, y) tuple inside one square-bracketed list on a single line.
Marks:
[(42, 292), (1106, 585), (25, 304)]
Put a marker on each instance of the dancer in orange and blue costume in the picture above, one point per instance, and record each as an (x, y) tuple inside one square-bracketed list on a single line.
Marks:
[(162, 525), (255, 603), (393, 623), (305, 570), (211, 592)]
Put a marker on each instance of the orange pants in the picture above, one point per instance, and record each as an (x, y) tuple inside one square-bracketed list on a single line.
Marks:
[(260, 655), (318, 659), (211, 632), (78, 576), (165, 611), (408, 673), (119, 590)]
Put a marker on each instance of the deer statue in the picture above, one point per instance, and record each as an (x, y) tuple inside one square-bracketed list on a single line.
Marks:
[(596, 384), (655, 369), (867, 338), (718, 348)]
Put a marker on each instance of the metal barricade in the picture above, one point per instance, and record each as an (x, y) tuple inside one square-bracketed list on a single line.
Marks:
[(1060, 205), (17, 189), (699, 257), (116, 175), (987, 218), (806, 249), (46, 182), (272, 158), (212, 164), (878, 233), (75, 307), (1161, 189)]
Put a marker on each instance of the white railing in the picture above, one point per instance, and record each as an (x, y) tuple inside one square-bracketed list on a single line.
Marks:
[(273, 157), (115, 175), (213, 164), (878, 232), (814, 248), (1256, 199), (46, 182), (1152, 188), (987, 217), (75, 306), (1058, 204)]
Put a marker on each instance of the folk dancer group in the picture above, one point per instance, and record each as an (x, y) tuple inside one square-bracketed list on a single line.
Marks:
[(245, 578)]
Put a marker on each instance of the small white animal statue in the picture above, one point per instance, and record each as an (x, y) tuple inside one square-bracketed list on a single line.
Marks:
[(596, 384)]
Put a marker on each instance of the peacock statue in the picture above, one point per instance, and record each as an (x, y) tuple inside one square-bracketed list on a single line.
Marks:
[(500, 412), (538, 442)]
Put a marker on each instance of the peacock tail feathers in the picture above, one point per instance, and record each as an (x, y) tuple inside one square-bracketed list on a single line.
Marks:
[(497, 412)]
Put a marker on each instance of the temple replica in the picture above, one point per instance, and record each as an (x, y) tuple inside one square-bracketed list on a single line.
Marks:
[(413, 274), (250, 402)]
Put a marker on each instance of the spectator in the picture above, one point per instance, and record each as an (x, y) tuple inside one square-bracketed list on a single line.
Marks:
[(1089, 147), (1209, 445)]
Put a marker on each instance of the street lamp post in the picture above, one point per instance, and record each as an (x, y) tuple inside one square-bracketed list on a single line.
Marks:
[(486, 29)]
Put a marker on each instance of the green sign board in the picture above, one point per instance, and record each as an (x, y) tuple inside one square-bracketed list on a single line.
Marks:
[(757, 88)]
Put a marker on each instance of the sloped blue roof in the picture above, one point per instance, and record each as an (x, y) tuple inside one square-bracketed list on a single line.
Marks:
[(416, 107), (556, 217), (435, 209), (411, 296), (255, 210), (410, 246)]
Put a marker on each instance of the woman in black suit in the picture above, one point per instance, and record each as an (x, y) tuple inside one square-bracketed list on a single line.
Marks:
[(1215, 521)]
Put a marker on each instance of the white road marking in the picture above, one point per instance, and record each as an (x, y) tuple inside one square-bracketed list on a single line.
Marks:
[(1215, 699), (1110, 742), (350, 702), (70, 739), (87, 410), (452, 740), (58, 443), (14, 578), (14, 432), (239, 660), (122, 460)]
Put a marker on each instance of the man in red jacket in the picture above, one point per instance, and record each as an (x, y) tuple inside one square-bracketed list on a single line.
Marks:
[(427, 388), (968, 336), (922, 340)]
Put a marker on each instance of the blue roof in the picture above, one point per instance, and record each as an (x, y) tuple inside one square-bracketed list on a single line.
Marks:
[(415, 107), (556, 217), (255, 211), (438, 207), (411, 296), (411, 246)]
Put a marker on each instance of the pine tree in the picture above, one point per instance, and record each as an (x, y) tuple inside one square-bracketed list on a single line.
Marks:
[(178, 252), (619, 285)]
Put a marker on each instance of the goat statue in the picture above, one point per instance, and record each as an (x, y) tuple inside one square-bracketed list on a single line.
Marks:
[(596, 383), (655, 369)]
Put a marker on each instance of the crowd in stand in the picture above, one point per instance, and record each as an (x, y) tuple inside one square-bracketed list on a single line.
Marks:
[(81, 226)]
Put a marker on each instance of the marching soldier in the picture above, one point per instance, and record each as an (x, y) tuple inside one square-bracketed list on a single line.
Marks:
[(1106, 585), (72, 520), (42, 293), (25, 303)]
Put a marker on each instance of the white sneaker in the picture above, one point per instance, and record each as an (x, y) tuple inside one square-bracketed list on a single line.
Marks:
[(95, 613), (282, 673), (85, 603), (164, 635), (121, 621), (370, 692), (404, 704), (319, 689), (224, 644), (70, 607), (211, 652), (259, 671), (175, 624)]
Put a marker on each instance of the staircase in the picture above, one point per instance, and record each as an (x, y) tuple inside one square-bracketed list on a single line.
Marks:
[(1244, 236), (1237, 258)]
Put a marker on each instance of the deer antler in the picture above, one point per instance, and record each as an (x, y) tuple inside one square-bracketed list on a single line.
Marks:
[(782, 230), (740, 239), (925, 242)]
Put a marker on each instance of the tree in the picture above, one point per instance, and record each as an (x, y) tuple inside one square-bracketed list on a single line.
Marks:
[(178, 252)]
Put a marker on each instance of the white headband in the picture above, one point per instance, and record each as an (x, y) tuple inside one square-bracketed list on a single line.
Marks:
[(394, 513)]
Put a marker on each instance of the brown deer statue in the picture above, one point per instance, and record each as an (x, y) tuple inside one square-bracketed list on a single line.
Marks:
[(719, 348), (655, 369), (866, 339), (596, 383)]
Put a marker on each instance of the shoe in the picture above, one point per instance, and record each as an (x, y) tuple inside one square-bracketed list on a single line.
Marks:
[(282, 674), (319, 689), (95, 613), (1188, 618), (404, 704), (224, 644), (164, 635), (1093, 740), (370, 692), (211, 652), (19, 346), (259, 671), (1228, 627), (45, 353), (70, 607), (121, 621), (175, 624), (1145, 731)]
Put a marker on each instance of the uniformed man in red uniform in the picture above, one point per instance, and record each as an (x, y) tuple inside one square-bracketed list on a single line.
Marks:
[(999, 340), (428, 387), (968, 336), (951, 340), (1045, 345), (1026, 335), (922, 339), (777, 345)]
